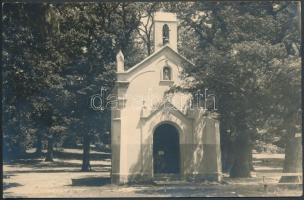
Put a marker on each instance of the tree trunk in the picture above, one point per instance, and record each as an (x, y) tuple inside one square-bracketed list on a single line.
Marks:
[(86, 154), (293, 159), (21, 148), (299, 15), (227, 154), (250, 158), (50, 153), (241, 167), (149, 47), (39, 144), (251, 168)]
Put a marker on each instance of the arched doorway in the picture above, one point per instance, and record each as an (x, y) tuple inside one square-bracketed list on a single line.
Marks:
[(166, 150)]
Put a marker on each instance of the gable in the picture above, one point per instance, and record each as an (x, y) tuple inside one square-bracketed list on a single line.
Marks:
[(159, 53), (166, 52)]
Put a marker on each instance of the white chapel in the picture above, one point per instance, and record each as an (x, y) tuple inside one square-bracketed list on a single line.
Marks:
[(154, 133)]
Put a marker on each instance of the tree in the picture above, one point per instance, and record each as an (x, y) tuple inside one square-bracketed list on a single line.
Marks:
[(19, 50), (90, 35), (32, 83), (56, 56), (288, 97), (237, 47), (145, 29)]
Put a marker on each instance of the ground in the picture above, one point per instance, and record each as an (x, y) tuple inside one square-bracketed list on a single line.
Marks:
[(62, 178)]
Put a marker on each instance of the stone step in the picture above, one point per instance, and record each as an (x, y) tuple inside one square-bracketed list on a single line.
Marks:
[(166, 177)]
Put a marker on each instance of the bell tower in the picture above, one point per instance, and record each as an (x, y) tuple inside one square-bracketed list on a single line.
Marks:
[(165, 30)]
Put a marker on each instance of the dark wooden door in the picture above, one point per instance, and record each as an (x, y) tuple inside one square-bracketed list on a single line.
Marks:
[(166, 151)]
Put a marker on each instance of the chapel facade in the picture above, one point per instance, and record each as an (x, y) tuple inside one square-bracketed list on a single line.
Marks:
[(154, 133)]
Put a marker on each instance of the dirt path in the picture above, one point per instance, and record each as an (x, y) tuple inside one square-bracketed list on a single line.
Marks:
[(60, 185), (62, 178)]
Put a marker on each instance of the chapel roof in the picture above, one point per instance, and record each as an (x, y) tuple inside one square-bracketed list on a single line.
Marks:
[(155, 54)]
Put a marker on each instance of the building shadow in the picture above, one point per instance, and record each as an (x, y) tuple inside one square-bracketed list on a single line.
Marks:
[(179, 191), (6, 185), (10, 185), (40, 166), (78, 156), (91, 181)]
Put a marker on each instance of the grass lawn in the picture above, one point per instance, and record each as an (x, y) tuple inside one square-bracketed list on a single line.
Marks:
[(36, 178)]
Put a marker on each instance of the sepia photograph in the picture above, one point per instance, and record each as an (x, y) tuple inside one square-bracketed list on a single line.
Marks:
[(124, 99)]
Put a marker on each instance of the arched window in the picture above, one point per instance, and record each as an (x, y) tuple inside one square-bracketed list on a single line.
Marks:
[(167, 73), (165, 34)]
